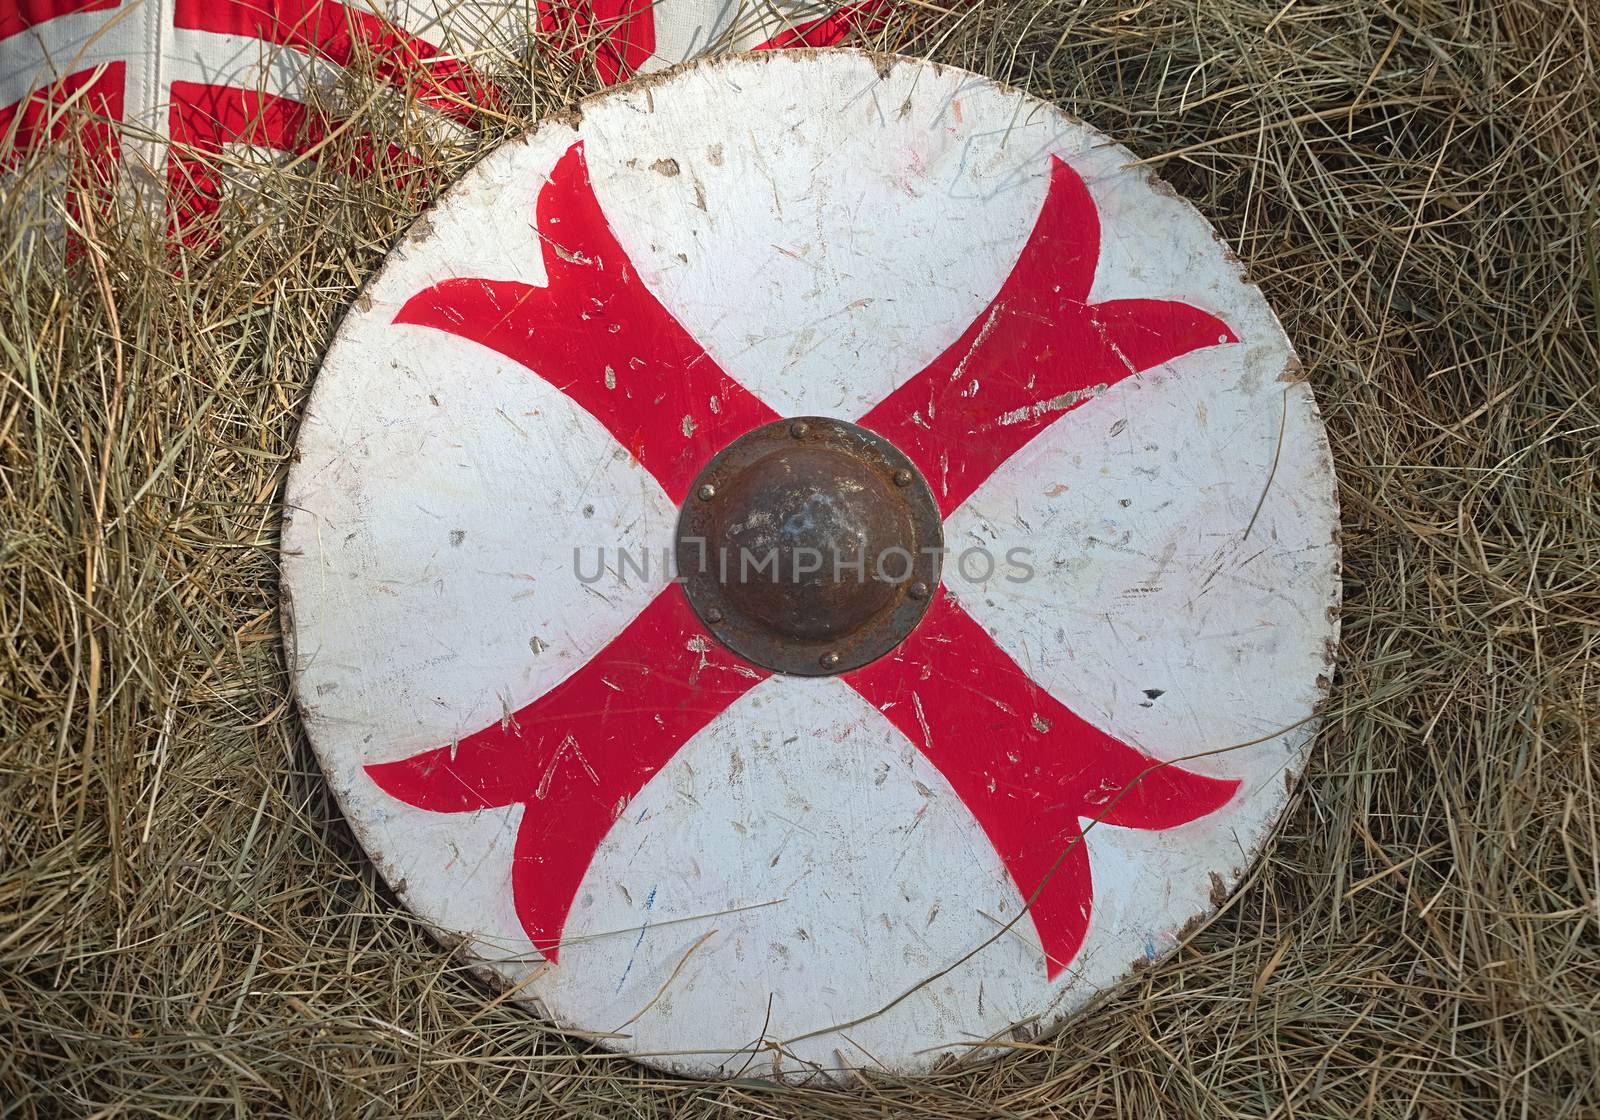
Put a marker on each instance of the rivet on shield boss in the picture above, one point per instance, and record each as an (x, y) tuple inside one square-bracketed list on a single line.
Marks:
[(815, 561)]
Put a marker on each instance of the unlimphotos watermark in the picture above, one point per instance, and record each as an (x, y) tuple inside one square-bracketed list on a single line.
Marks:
[(893, 565)]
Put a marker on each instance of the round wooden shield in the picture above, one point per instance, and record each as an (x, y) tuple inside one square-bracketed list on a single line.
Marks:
[(1096, 717)]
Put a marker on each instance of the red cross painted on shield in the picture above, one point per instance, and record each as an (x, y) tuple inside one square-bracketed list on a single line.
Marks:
[(1026, 766)]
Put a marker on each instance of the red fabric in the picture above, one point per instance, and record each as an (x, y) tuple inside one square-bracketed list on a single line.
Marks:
[(340, 33), (94, 98), (620, 35), (18, 15), (205, 116)]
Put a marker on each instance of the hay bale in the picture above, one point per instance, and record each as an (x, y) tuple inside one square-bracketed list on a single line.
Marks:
[(186, 925)]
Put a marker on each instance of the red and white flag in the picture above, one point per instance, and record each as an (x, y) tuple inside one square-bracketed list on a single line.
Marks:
[(167, 84), (174, 81)]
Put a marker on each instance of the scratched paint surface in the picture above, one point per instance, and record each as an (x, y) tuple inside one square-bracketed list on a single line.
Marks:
[(821, 231)]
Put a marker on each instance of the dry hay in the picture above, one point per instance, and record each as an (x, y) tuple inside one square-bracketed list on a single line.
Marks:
[(187, 927)]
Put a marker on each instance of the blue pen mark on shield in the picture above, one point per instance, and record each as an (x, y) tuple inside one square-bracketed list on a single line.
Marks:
[(649, 904)]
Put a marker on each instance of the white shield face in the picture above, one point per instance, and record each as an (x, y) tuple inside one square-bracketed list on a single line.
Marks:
[(714, 868)]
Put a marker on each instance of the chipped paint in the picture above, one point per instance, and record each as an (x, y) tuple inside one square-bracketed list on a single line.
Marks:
[(1150, 619)]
